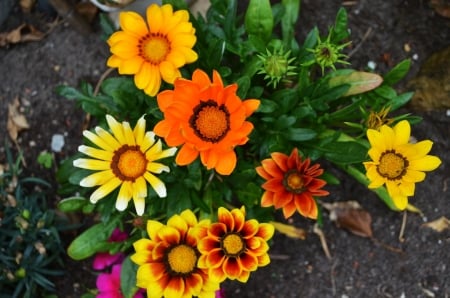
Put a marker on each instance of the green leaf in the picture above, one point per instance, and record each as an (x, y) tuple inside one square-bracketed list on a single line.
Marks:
[(45, 159), (72, 204), (398, 72), (299, 134), (267, 106), (249, 194), (128, 278), (244, 84), (107, 26), (290, 17), (400, 100), (359, 82), (92, 240), (345, 152), (259, 19), (340, 29), (70, 92)]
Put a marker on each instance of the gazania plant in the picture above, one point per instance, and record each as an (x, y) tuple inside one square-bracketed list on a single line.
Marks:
[(216, 126)]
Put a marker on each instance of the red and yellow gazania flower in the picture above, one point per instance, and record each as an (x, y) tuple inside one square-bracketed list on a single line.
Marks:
[(397, 163), (206, 119), (126, 159), (155, 49), (291, 184), (233, 247), (168, 259)]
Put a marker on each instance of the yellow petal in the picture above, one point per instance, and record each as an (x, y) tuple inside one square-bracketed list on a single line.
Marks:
[(426, 163), (97, 178), (92, 164), (169, 72), (105, 189), (139, 205), (154, 18), (148, 141), (154, 81), (131, 22), (402, 132), (108, 138), (116, 128), (157, 168), (400, 202), (128, 133), (156, 184), (153, 228), (413, 176), (139, 131), (139, 188), (96, 153), (131, 66), (97, 140), (124, 196)]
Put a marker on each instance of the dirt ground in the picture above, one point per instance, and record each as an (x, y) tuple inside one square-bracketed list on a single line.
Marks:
[(384, 32)]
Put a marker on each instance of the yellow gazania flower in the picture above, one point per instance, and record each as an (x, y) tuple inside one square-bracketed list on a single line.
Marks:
[(168, 259), (233, 247), (153, 50), (126, 159), (398, 163), (207, 119)]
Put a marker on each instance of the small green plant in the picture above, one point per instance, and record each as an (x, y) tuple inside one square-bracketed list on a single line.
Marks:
[(30, 245), (45, 159)]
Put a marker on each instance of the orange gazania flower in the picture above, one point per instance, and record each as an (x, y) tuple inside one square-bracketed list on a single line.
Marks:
[(233, 247), (168, 259), (154, 49), (291, 184), (207, 119)]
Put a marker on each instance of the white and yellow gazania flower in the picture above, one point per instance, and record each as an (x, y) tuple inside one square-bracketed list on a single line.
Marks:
[(125, 158), (396, 162)]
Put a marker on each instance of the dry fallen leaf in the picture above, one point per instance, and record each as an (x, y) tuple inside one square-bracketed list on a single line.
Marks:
[(22, 33), (439, 225), (16, 121), (351, 216), (26, 5), (289, 230)]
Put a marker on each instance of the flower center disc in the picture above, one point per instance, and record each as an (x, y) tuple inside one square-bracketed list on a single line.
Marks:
[(233, 244), (182, 259), (293, 181), (392, 165), (129, 163), (210, 122), (154, 48)]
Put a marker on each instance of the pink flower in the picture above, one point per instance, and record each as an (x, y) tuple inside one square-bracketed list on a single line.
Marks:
[(108, 284), (220, 293), (103, 260)]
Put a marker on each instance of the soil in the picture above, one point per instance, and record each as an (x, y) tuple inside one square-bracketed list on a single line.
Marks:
[(384, 32)]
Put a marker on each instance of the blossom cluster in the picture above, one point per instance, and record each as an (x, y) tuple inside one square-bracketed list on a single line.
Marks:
[(201, 125)]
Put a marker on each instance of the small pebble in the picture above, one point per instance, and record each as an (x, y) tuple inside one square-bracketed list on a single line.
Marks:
[(57, 142), (372, 65)]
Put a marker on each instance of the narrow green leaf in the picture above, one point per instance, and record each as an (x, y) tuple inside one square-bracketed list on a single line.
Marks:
[(299, 134), (72, 204), (128, 278), (259, 19), (398, 72), (345, 152), (291, 12), (92, 240), (340, 29)]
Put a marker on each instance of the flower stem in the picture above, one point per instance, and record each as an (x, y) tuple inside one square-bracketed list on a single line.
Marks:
[(381, 192)]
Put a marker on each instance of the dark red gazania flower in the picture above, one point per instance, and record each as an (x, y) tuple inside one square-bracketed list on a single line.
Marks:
[(291, 184)]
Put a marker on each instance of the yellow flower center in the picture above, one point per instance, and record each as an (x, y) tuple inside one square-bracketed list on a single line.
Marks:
[(181, 260), (392, 165), (154, 48), (293, 181), (210, 122), (129, 163), (233, 244)]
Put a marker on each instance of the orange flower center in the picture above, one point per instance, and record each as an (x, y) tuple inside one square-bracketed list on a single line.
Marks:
[(293, 181), (181, 260), (129, 163), (232, 244), (392, 165), (154, 48), (210, 122)]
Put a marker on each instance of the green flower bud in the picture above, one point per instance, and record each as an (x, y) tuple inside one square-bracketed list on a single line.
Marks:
[(276, 66)]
